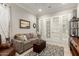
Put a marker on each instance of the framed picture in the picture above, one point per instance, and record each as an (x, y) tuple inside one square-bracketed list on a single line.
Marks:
[(24, 24)]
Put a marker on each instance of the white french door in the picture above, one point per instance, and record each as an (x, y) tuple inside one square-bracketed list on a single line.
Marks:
[(55, 28), (56, 33)]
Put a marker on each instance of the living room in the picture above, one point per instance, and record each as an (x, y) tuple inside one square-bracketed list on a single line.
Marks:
[(37, 29)]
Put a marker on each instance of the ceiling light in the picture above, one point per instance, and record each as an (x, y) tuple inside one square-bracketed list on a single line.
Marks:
[(40, 10), (63, 3)]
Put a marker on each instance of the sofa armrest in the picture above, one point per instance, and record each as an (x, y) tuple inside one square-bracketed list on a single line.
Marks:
[(18, 45)]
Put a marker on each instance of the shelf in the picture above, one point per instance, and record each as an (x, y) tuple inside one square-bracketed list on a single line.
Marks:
[(74, 27), (74, 36)]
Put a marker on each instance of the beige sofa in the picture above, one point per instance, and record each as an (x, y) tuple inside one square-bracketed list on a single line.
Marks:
[(23, 42)]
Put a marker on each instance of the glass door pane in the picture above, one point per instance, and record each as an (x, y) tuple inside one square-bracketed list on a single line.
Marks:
[(75, 24)]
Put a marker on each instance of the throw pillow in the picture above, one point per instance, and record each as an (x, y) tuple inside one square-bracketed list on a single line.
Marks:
[(22, 38), (28, 36), (34, 35), (31, 35), (25, 38)]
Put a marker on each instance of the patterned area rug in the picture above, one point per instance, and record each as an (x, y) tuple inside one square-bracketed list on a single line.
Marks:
[(50, 50)]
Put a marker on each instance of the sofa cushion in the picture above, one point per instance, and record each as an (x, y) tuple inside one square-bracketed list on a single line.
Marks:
[(16, 36), (25, 42), (33, 38), (28, 36), (31, 35), (34, 35), (20, 41), (22, 38)]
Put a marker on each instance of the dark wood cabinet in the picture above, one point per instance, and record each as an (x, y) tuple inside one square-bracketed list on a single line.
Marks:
[(74, 27), (74, 36), (74, 46)]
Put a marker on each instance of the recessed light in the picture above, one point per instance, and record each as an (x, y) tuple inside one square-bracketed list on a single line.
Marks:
[(40, 10), (49, 6)]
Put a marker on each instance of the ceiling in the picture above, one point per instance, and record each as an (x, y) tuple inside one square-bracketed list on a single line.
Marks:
[(46, 7)]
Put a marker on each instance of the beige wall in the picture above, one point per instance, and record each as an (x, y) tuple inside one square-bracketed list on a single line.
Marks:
[(18, 13)]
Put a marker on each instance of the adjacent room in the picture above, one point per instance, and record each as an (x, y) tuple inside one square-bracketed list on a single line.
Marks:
[(39, 29)]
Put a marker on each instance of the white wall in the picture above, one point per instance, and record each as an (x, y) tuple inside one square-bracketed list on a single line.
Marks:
[(78, 11), (4, 21), (59, 32), (18, 13)]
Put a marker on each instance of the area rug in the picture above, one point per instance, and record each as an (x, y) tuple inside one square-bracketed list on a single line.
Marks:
[(50, 50)]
